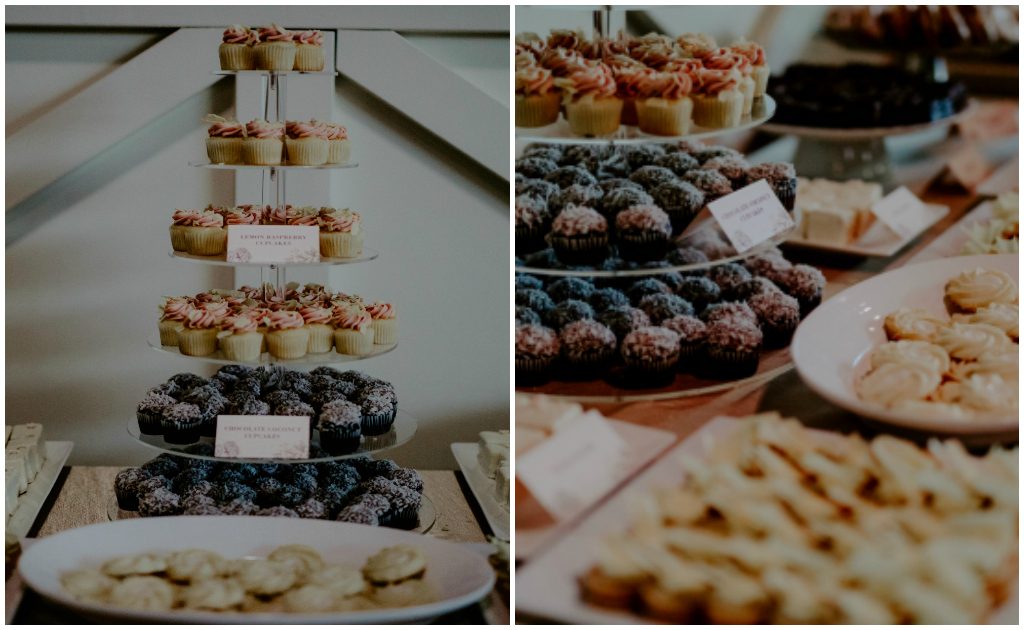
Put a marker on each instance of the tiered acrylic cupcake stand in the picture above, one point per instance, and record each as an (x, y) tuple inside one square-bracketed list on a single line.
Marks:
[(614, 386), (273, 191)]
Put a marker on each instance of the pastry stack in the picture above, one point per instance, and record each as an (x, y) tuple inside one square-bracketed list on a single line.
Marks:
[(834, 212), (24, 454)]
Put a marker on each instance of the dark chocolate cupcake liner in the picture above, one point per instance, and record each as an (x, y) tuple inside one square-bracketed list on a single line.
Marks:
[(377, 424), (776, 336), (128, 501), (406, 518), (337, 444), (580, 250), (786, 192), (651, 372), (532, 371), (589, 364), (150, 423), (181, 433), (730, 364), (642, 246), (529, 239), (691, 356), (681, 219), (809, 304)]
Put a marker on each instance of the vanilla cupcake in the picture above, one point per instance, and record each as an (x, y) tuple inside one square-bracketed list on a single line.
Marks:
[(719, 102), (353, 330), (725, 59), (242, 341), (306, 143), (173, 313), (287, 336), (198, 336), (339, 147), (181, 220), (592, 105), (275, 49), (759, 69), (224, 140), (537, 99), (206, 236), (663, 104), (318, 322), (309, 51), (264, 143), (236, 51), (385, 323), (341, 234)]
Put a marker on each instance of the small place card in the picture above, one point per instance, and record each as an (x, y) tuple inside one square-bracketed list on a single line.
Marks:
[(273, 243), (282, 437), (574, 467), (902, 212), (751, 215), (968, 167)]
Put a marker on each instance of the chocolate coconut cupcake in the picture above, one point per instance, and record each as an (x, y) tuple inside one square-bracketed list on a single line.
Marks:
[(568, 312), (581, 155), (565, 176), (640, 155), (588, 347), (535, 167), (606, 298), (526, 315), (126, 487), (548, 151), (692, 339), (643, 232), (615, 165), (778, 314), (532, 220), (687, 256), (623, 320), (180, 423), (379, 407), (537, 348), (542, 189), (733, 347), (618, 199), (570, 289), (535, 299), (746, 290), (650, 177), (662, 306), (576, 195), (679, 163), (340, 427), (705, 153), (770, 264), (579, 236), (544, 259), (806, 284), (642, 288), (608, 185), (681, 200), (712, 183), (729, 311), (728, 275), (781, 176), (150, 412), (651, 354), (698, 291), (733, 167)]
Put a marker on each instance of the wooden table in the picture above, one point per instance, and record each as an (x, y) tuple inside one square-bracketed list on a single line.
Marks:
[(84, 493)]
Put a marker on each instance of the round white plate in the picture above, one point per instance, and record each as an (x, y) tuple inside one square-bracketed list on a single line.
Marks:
[(458, 575), (830, 345)]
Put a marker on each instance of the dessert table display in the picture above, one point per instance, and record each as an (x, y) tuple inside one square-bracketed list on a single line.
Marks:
[(727, 526)]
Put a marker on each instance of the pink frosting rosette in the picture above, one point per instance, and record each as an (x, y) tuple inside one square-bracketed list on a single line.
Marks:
[(209, 219), (317, 314), (531, 43), (175, 309), (595, 79), (242, 215), (668, 85), (351, 317), (185, 217), (200, 318), (219, 310), (310, 38), (341, 221), (240, 324), (304, 215), (331, 131), (629, 79), (381, 310), (236, 34), (223, 128), (725, 59), (566, 38), (561, 62), (299, 129), (714, 82), (534, 80), (278, 215), (696, 44), (275, 33), (753, 51), (524, 59), (259, 128), (285, 320)]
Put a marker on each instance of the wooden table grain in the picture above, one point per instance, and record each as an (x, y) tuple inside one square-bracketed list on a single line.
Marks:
[(88, 491)]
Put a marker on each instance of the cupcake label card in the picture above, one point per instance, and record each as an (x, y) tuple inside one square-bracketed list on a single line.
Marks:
[(751, 215), (265, 244), (280, 437)]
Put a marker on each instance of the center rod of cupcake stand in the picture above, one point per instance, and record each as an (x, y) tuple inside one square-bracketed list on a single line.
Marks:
[(602, 20)]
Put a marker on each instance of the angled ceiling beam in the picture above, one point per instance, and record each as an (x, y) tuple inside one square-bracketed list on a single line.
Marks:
[(428, 92), (463, 19), (109, 110)]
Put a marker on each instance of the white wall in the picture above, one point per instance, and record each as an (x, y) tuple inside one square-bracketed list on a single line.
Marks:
[(84, 284)]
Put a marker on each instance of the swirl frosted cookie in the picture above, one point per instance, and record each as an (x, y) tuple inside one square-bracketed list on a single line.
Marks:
[(912, 323), (978, 288), (394, 565)]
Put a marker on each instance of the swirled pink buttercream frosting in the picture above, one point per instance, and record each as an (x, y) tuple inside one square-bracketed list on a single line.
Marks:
[(534, 80), (751, 50), (240, 324), (316, 314), (175, 309), (341, 221), (200, 318), (185, 217), (209, 219), (275, 33), (560, 61), (714, 82), (310, 38), (226, 129), (725, 59), (332, 131), (299, 129), (262, 129), (594, 79), (285, 320), (242, 216), (304, 215), (237, 34), (667, 85), (381, 310), (352, 317), (276, 216), (629, 79)]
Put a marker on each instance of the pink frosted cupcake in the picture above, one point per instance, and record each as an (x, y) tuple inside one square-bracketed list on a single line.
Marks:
[(242, 215), (385, 323), (276, 216), (318, 323), (339, 148), (181, 220), (719, 102), (760, 71), (353, 330), (663, 103), (592, 106), (198, 336), (287, 336), (306, 143), (628, 74), (206, 236), (302, 215), (241, 339), (236, 48), (309, 51), (726, 59), (275, 49), (224, 140), (264, 143), (173, 313), (341, 234), (537, 99)]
